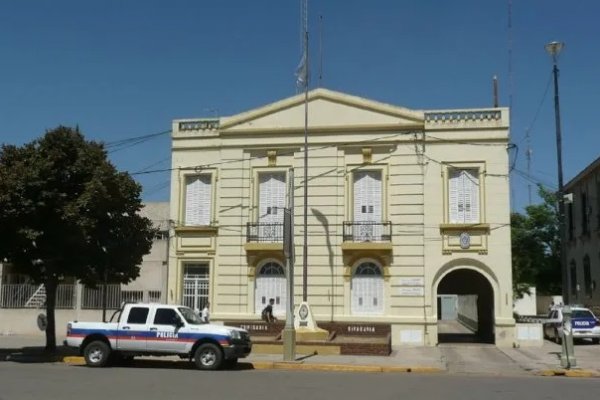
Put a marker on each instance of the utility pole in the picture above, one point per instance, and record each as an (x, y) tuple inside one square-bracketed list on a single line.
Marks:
[(289, 332), (554, 49)]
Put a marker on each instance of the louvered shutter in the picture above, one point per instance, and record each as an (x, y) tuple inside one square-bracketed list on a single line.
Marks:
[(471, 195), (205, 199), (264, 195), (453, 196), (278, 182), (360, 189), (271, 203), (376, 202), (192, 201), (198, 200)]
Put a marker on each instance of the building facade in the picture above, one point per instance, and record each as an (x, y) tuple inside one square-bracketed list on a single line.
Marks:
[(582, 219), (406, 208)]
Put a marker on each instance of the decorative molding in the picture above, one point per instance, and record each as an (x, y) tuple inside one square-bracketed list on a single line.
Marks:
[(442, 117), (367, 246), (272, 155), (367, 154), (209, 229), (258, 247), (465, 227), (205, 124)]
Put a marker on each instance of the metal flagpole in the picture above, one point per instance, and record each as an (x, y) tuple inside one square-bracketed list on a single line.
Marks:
[(289, 332), (305, 245)]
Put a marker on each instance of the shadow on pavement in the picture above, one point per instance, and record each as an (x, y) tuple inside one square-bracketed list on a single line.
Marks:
[(461, 338), (35, 354), (168, 364)]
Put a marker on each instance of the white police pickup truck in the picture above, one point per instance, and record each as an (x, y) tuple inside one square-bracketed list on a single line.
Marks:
[(158, 330)]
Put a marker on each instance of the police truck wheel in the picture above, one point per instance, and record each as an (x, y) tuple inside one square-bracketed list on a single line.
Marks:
[(96, 354), (595, 340), (208, 356)]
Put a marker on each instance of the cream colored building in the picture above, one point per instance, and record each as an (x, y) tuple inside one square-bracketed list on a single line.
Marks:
[(406, 209)]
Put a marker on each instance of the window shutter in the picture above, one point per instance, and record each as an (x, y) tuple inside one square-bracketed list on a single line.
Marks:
[(453, 196), (198, 200), (376, 193), (463, 196), (360, 208), (205, 200), (279, 196), (264, 194), (271, 197), (472, 178), (192, 202)]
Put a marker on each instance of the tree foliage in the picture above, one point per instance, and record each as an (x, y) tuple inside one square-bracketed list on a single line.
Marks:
[(536, 246), (65, 211)]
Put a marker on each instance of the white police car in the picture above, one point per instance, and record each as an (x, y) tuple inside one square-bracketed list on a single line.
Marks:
[(584, 324)]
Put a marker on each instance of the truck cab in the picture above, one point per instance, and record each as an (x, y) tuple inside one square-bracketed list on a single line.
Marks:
[(159, 330)]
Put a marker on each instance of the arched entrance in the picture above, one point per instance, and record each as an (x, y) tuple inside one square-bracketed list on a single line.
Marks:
[(465, 306)]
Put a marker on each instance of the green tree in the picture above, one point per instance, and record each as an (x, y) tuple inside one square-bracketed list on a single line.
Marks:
[(65, 211), (536, 246)]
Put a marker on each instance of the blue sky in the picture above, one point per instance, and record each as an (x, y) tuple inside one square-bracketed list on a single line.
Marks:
[(125, 69)]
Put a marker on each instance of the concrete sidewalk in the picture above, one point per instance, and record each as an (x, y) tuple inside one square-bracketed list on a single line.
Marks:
[(478, 359)]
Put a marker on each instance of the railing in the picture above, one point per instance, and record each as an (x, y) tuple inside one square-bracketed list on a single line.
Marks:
[(199, 125), (19, 296), (93, 298), (455, 116), (24, 295), (264, 233), (367, 231)]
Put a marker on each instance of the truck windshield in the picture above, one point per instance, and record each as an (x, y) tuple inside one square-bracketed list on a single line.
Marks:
[(190, 316)]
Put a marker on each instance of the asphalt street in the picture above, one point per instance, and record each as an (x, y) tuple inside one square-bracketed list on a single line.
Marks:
[(60, 381)]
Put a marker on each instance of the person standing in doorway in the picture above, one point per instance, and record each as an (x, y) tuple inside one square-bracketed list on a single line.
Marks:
[(206, 313)]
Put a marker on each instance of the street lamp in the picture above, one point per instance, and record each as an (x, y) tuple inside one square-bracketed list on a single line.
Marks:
[(554, 49)]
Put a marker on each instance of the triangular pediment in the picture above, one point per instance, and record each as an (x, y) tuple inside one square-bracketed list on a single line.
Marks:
[(326, 110)]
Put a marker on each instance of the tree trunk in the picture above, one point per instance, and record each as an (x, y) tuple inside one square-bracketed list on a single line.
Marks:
[(51, 285)]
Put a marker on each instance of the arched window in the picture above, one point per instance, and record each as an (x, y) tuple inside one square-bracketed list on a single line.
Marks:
[(271, 268), (573, 279), (368, 268), (270, 284), (587, 276), (367, 289)]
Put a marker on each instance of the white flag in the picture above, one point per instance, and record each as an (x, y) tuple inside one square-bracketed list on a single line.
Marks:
[(302, 73)]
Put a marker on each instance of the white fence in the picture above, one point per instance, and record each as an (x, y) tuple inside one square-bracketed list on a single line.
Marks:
[(31, 296), (34, 296)]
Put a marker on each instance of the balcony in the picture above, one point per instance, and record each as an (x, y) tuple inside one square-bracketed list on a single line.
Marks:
[(366, 239), (264, 233), (367, 231), (263, 240)]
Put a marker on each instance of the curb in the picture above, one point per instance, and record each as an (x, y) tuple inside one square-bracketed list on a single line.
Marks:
[(571, 373), (73, 360), (299, 366)]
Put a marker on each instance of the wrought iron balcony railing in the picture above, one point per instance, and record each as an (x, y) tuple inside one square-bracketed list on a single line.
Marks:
[(264, 232), (367, 231)]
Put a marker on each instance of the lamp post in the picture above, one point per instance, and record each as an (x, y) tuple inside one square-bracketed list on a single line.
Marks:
[(554, 49)]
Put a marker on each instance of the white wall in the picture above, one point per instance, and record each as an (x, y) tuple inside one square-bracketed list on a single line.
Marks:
[(467, 311), (526, 305), (24, 321)]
